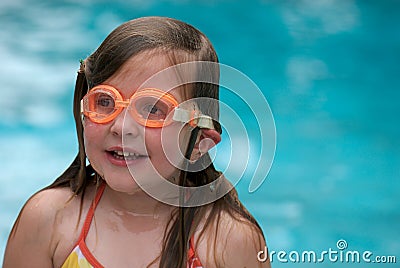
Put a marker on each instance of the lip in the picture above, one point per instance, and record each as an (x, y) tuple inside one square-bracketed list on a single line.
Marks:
[(123, 162)]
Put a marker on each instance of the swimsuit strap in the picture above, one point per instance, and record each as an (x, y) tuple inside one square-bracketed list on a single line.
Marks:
[(191, 252), (193, 260), (90, 214)]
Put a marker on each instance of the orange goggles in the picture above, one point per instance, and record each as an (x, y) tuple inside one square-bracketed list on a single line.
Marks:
[(150, 107)]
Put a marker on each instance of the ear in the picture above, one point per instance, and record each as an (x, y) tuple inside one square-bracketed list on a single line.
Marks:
[(207, 139)]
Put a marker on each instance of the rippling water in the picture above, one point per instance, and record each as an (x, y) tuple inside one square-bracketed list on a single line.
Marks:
[(328, 68)]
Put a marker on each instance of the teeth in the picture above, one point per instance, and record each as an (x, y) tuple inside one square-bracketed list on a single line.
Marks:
[(126, 154)]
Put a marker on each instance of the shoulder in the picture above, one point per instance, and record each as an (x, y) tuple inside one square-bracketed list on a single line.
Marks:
[(241, 240), (40, 211), (45, 206), (237, 242), (34, 235), (39, 214)]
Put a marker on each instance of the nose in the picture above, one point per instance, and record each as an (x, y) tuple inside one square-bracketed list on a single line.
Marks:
[(125, 125)]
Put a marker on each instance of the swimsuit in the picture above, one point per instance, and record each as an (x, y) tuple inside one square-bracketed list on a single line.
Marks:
[(81, 257)]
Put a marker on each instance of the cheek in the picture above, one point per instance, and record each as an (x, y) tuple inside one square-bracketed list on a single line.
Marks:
[(90, 134), (173, 143), (167, 147), (93, 136)]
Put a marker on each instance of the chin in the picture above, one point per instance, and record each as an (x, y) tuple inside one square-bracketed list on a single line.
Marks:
[(127, 185)]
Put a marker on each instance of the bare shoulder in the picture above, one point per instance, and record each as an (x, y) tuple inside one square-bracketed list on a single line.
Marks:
[(34, 238), (41, 210), (237, 242)]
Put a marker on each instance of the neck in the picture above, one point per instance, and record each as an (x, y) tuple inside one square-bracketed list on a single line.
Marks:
[(138, 204)]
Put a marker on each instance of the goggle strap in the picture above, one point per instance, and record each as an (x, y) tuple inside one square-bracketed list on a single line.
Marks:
[(81, 106), (82, 115), (205, 121), (181, 115), (201, 121)]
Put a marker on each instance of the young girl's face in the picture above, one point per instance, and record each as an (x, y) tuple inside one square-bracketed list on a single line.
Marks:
[(148, 146)]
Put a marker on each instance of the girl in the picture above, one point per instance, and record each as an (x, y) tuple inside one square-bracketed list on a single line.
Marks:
[(133, 131)]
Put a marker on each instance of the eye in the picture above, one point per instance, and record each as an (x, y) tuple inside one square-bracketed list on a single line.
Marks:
[(154, 111), (151, 108), (105, 101)]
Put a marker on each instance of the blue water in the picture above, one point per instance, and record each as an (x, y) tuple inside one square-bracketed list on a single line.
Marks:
[(328, 68)]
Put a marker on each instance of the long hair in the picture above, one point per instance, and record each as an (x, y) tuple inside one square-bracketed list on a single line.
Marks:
[(182, 43)]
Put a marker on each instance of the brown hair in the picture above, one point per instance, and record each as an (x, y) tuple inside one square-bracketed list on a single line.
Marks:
[(183, 43)]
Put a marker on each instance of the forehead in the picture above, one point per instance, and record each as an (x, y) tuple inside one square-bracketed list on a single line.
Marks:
[(149, 69)]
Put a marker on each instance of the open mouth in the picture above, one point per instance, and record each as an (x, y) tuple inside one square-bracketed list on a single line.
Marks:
[(127, 156)]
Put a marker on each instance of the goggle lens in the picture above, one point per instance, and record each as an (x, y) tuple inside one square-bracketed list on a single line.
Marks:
[(149, 108), (99, 105)]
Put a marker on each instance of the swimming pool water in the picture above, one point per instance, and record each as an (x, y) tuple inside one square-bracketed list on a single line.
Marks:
[(329, 70)]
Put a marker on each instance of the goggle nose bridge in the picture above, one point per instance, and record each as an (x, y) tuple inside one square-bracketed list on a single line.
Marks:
[(122, 103)]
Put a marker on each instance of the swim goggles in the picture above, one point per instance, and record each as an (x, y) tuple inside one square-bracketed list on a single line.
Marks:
[(150, 107)]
